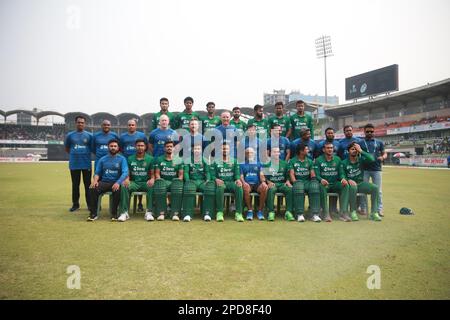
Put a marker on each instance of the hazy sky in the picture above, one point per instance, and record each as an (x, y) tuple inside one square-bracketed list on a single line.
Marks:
[(122, 56)]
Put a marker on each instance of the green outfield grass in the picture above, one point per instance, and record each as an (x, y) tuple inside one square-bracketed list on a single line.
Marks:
[(230, 260)]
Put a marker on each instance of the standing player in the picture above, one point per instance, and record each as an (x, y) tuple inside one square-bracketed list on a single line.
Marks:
[(305, 138), (343, 143), (240, 125), (190, 139), (168, 176), (225, 172), (329, 137), (276, 173), (78, 144), (251, 141), (197, 177), (128, 148), (182, 119), (281, 142), (227, 132), (211, 120), (261, 123), (303, 178), (164, 105), (373, 171), (101, 139), (253, 180), (301, 120), (160, 136), (282, 120), (329, 172), (353, 173), (140, 179), (110, 172)]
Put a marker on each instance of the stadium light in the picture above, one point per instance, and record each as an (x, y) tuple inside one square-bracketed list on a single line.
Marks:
[(324, 50)]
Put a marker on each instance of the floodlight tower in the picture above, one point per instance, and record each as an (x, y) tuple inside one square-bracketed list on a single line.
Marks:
[(323, 51)]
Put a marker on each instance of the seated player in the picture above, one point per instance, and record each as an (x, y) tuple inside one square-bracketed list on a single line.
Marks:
[(329, 173), (140, 179), (198, 178), (253, 180), (303, 178), (225, 172), (353, 173), (168, 176), (276, 174), (110, 172)]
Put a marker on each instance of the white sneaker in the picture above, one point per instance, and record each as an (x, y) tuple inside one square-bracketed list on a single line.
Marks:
[(175, 217), (301, 218), (316, 218), (160, 217), (207, 217), (149, 216), (187, 219), (123, 217)]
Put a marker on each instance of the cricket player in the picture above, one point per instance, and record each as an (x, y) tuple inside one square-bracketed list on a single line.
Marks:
[(164, 105), (282, 120), (301, 120)]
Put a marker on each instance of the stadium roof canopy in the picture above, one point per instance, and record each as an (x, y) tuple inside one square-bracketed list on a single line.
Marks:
[(440, 88), (98, 118), (124, 117)]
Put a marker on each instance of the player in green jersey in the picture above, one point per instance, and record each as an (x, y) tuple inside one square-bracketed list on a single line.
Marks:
[(282, 120), (301, 120), (225, 172), (140, 179), (240, 125), (303, 178), (277, 177), (353, 173), (182, 119), (197, 177), (261, 123), (211, 120), (329, 172), (164, 105), (168, 176)]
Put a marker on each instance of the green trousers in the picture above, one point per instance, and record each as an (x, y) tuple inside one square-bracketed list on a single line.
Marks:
[(367, 188), (281, 188), (300, 188), (334, 188), (161, 188), (229, 186), (135, 187), (209, 192)]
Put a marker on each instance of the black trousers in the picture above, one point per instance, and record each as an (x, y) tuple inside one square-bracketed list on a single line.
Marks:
[(102, 188), (76, 177)]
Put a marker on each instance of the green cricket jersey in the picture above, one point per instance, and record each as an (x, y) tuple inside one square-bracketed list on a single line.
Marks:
[(226, 171), (284, 123), (197, 171), (302, 169), (210, 123), (155, 120), (182, 119), (300, 122), (329, 170), (168, 168), (139, 169), (353, 171), (241, 125), (276, 172), (262, 126)]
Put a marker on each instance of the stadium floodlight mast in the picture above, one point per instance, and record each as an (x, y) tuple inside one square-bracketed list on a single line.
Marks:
[(323, 51)]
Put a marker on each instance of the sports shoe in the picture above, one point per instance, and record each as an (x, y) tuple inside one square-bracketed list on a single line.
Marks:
[(123, 217), (288, 216), (140, 208), (238, 216), (362, 212), (149, 216), (260, 215), (381, 213), (175, 217), (354, 216), (316, 218), (301, 218), (219, 217), (344, 217), (249, 215), (113, 219), (328, 218), (74, 208), (160, 217), (92, 218), (271, 216), (375, 217), (207, 217), (187, 219)]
